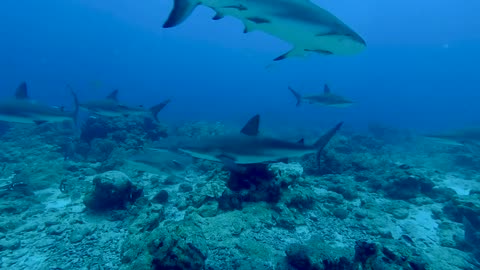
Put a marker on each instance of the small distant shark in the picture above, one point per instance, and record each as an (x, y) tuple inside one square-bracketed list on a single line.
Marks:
[(306, 26), (461, 137), (327, 98), (249, 147), (22, 109), (161, 160), (110, 107)]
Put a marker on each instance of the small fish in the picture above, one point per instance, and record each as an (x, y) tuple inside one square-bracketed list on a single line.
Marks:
[(326, 98), (22, 109)]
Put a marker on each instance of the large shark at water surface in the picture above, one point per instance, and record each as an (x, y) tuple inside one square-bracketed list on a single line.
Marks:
[(22, 109), (111, 107), (306, 26), (249, 147), (327, 98)]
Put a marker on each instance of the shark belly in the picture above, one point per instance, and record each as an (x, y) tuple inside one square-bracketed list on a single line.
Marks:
[(304, 25)]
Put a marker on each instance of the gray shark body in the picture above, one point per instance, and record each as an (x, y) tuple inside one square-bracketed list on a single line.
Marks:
[(22, 109), (327, 98), (248, 147), (306, 26), (160, 160), (467, 136), (110, 107)]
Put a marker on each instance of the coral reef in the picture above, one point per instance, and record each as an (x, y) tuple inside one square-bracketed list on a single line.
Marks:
[(368, 204)]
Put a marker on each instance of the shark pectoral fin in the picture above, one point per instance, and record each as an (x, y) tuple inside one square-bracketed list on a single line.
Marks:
[(229, 163), (113, 95), (249, 27), (295, 52), (252, 126), (218, 16), (301, 141), (180, 12)]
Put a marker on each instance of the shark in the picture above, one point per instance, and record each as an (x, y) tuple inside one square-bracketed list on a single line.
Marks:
[(250, 147), (461, 137), (22, 109), (327, 98), (307, 27), (160, 160), (111, 107)]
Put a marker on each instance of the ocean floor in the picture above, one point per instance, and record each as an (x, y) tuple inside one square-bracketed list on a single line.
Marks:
[(75, 202)]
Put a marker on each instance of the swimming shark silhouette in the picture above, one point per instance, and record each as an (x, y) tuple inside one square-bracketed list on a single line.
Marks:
[(306, 26), (161, 160), (111, 107), (466, 136), (327, 98), (22, 109), (249, 147)]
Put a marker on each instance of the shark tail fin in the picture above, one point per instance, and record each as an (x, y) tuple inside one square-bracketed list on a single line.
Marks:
[(157, 108), (297, 96), (76, 104), (323, 141), (180, 12)]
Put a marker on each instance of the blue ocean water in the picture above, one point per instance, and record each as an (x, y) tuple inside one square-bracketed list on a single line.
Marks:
[(419, 70)]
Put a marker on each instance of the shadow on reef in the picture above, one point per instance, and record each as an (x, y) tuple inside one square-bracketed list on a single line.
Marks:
[(258, 182)]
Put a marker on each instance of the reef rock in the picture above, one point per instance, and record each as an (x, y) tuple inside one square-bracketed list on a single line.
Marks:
[(112, 190)]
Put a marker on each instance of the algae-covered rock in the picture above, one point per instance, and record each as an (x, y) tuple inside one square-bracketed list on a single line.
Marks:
[(112, 190), (178, 245)]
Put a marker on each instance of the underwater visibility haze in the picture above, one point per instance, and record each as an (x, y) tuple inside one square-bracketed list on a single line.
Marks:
[(239, 134)]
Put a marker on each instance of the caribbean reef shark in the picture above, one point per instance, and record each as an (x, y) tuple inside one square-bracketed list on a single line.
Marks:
[(160, 160), (327, 98), (467, 136), (306, 26), (110, 107), (249, 147), (22, 109)]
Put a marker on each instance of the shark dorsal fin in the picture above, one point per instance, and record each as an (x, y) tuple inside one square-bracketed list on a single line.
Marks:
[(22, 92), (251, 128), (301, 141), (326, 89), (113, 95)]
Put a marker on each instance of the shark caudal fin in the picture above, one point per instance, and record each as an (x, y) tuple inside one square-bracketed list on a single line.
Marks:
[(323, 141), (297, 96), (157, 108), (180, 12), (74, 114)]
